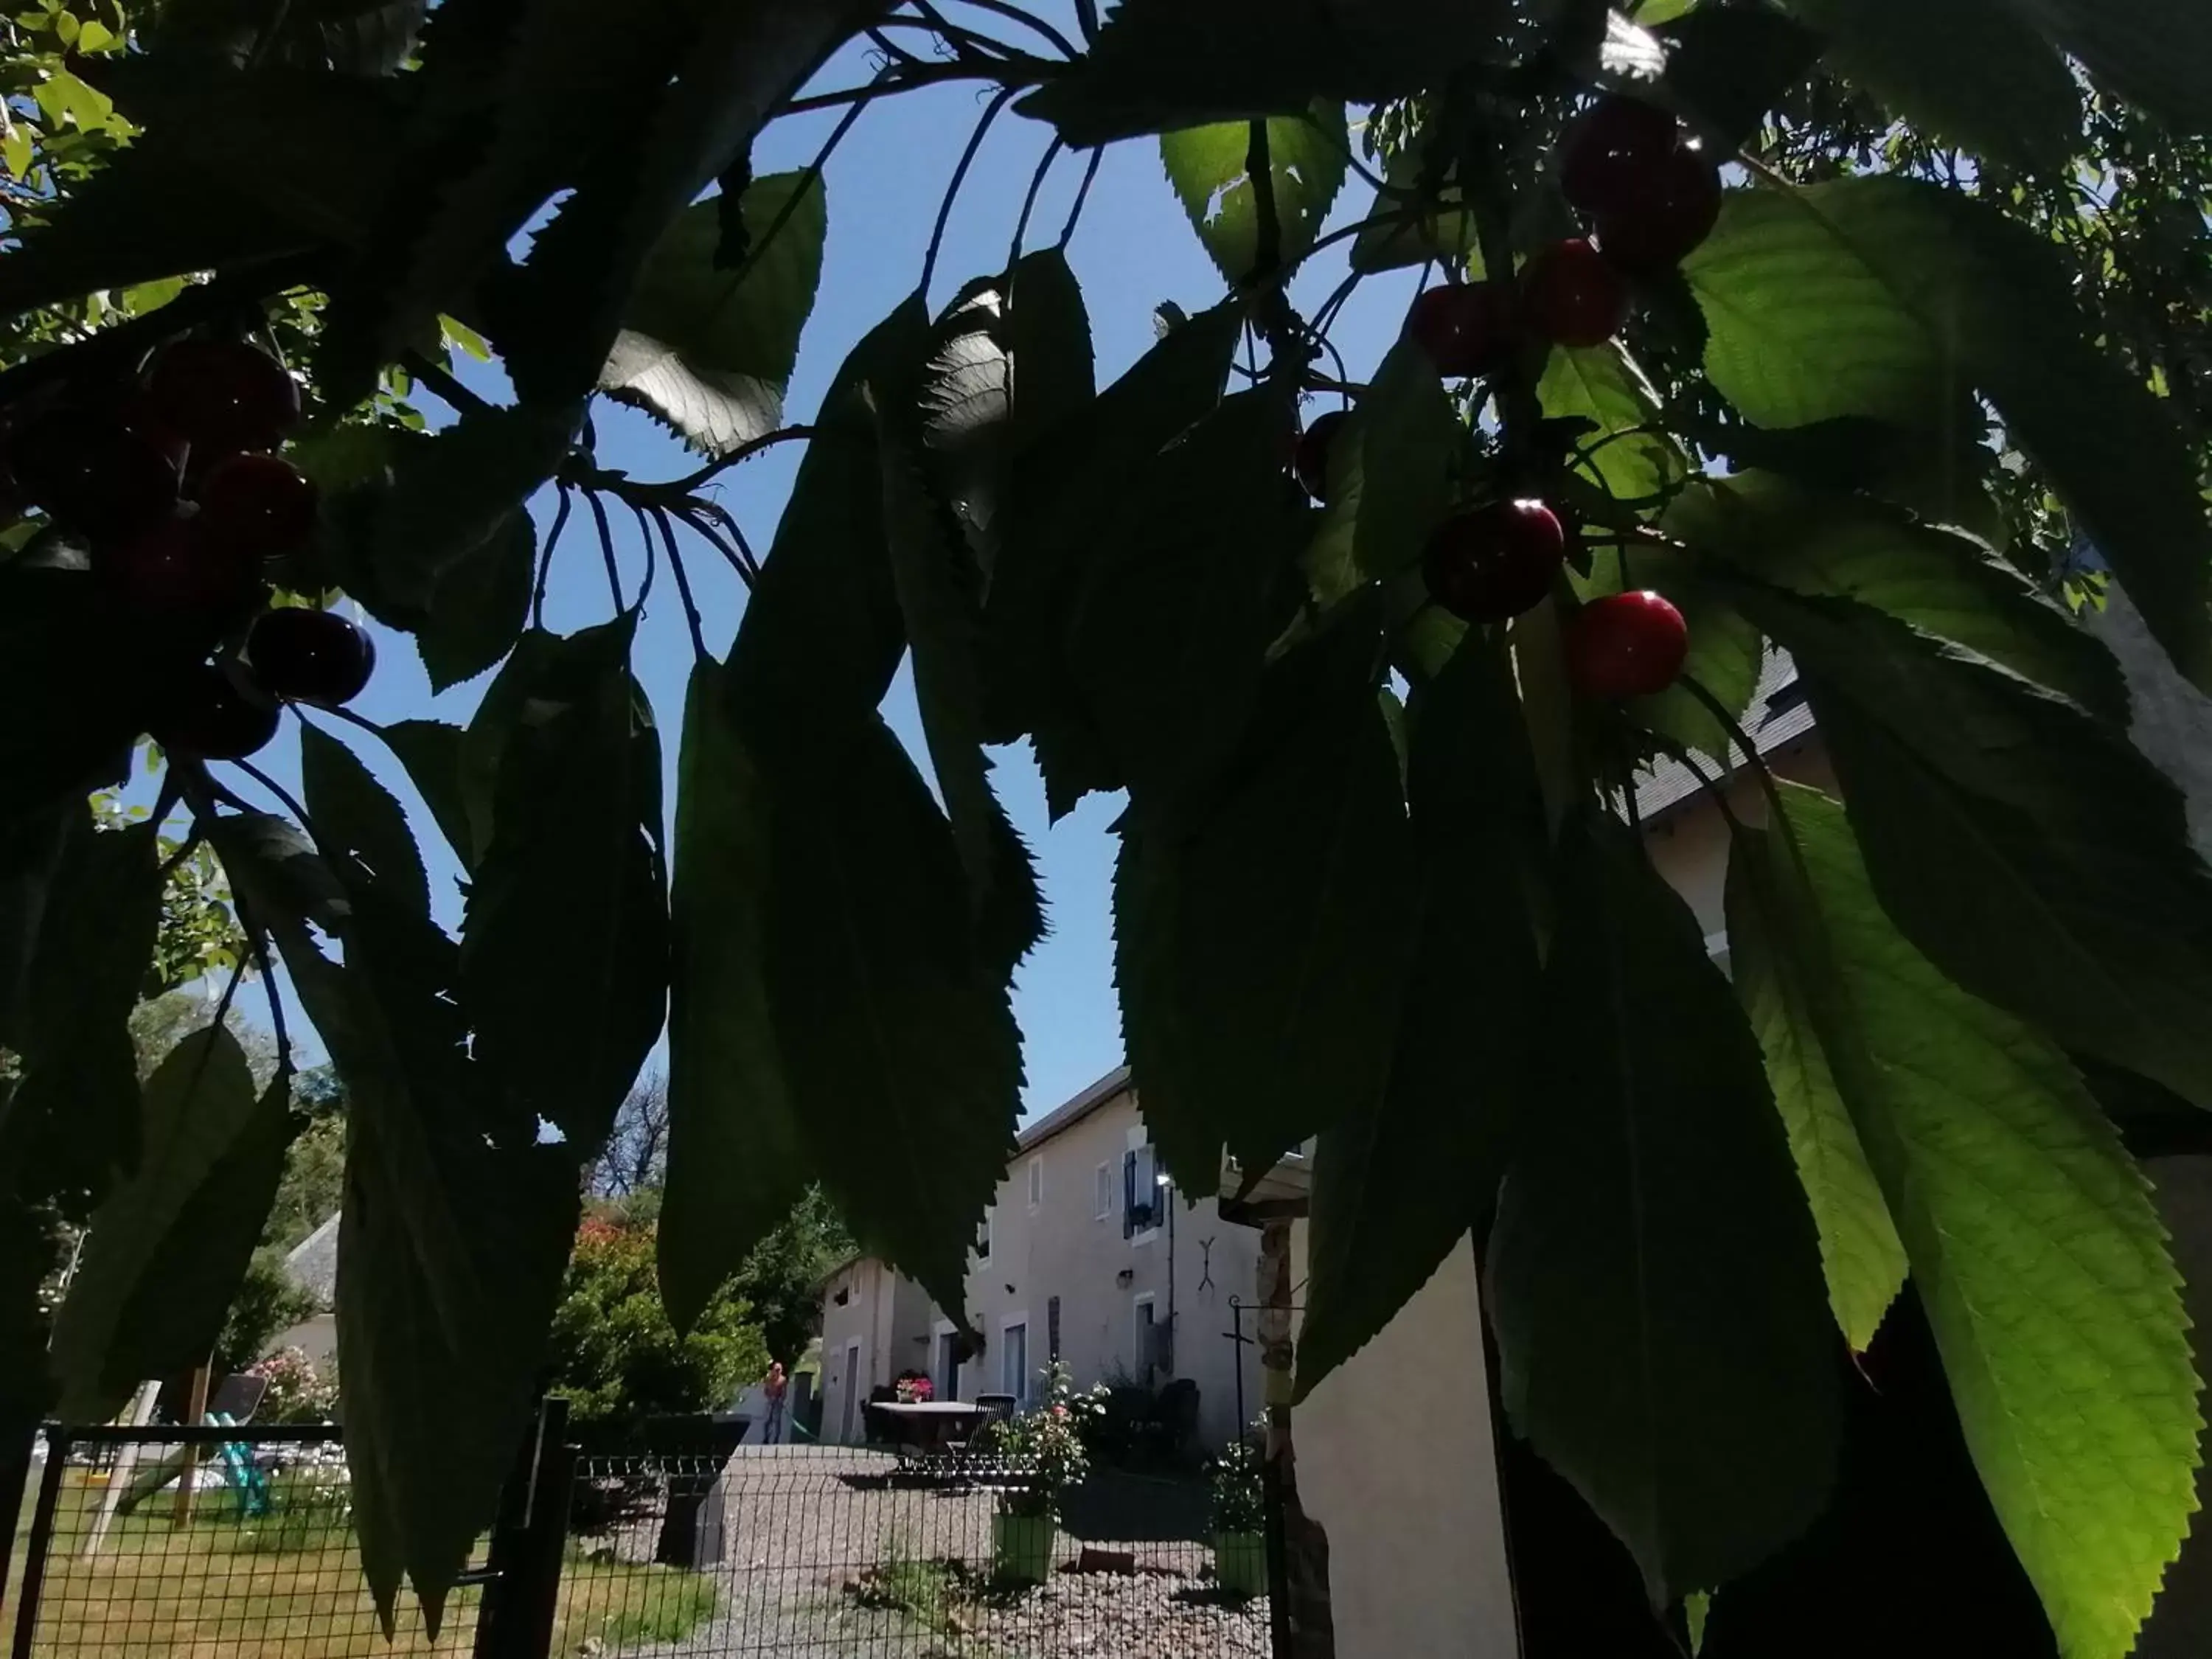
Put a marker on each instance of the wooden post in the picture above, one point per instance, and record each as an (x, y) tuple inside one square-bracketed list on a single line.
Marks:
[(1298, 1547), (195, 1410)]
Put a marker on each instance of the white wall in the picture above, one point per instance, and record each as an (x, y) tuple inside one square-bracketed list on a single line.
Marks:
[(1395, 1460)]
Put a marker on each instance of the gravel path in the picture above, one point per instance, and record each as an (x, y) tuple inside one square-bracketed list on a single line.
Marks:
[(830, 1557)]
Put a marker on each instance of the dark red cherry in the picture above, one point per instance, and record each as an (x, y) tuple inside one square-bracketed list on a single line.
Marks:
[(224, 395), (173, 574), (1311, 461), (1495, 561), (261, 505), (1466, 328), (1657, 229), (1612, 152), (1625, 644), (93, 472), (313, 656), (205, 713), (1571, 296)]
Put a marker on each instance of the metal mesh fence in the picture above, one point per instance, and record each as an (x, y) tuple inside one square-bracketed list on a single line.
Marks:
[(806, 1553), (136, 1546)]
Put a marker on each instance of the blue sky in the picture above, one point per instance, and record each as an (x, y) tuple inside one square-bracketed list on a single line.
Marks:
[(1133, 249)]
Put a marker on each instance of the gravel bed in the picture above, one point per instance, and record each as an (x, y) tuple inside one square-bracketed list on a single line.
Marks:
[(830, 1556)]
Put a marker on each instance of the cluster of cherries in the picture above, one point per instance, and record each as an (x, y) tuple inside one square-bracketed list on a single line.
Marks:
[(175, 490), (1650, 196)]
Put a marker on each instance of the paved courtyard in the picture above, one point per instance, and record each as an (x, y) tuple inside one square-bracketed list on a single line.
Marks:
[(828, 1552)]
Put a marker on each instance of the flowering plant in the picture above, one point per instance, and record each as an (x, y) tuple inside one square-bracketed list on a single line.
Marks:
[(915, 1390), (1238, 1504), (296, 1391), (1043, 1446)]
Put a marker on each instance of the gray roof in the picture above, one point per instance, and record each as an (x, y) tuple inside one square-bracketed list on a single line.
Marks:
[(1069, 1112), (313, 1263), (1777, 716)]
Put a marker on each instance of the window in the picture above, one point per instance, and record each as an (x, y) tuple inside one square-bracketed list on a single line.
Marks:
[(1014, 1359), (1103, 1206), (1052, 1329), (1036, 1182), (1142, 1198), (983, 1238)]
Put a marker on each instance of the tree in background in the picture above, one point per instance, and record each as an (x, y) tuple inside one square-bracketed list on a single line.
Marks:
[(614, 1354), (780, 1277), (634, 1160)]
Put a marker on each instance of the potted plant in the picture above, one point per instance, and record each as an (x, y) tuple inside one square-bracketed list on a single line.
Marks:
[(1240, 1543), (1041, 1455)]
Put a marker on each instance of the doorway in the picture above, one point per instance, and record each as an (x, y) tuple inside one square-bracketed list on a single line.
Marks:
[(1014, 1360), (947, 1379), (850, 1411)]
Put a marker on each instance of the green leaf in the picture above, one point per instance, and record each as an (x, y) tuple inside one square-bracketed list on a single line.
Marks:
[(732, 66), (1262, 923), (2033, 1239), (431, 750), (735, 1164), (940, 594), (356, 815), (1730, 65), (1210, 169), (2026, 848), (445, 501), (456, 1223), (1980, 74), (73, 1115), (1629, 453), (1445, 230), (2145, 50), (1943, 583), (1879, 297), (1056, 534), (139, 1265), (900, 1051), (1654, 1280), (479, 605), (710, 351), (1161, 64), (1398, 1185), (1194, 578), (568, 913), (1783, 992), (1392, 469)]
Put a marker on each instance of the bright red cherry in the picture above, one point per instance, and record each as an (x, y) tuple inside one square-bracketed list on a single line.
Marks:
[(314, 656), (1311, 461), (1466, 328), (1612, 151), (205, 714), (93, 472), (173, 574), (1625, 644), (1495, 561), (1571, 296), (261, 505), (1656, 229), (224, 395)]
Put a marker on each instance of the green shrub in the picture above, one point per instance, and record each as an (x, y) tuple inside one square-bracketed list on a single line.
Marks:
[(616, 1357)]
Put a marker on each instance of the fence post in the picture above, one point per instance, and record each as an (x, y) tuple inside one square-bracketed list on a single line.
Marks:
[(42, 1534), (516, 1619), (15, 1477)]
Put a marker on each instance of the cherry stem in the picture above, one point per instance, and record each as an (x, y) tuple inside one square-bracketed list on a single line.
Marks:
[(545, 559), (1004, 96), (1727, 722), (1082, 195), (606, 548), (1029, 202), (699, 652)]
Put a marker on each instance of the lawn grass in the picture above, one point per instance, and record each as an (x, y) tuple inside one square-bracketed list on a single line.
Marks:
[(289, 1585)]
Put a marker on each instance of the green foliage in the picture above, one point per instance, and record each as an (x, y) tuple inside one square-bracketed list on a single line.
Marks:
[(1943, 353), (1237, 1504), (2029, 1231), (614, 1354), (267, 1304)]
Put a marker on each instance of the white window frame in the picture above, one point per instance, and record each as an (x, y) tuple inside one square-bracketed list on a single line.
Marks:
[(1020, 1386), (1139, 1365), (983, 1240), (1037, 1182), (1105, 1184), (1141, 1143)]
